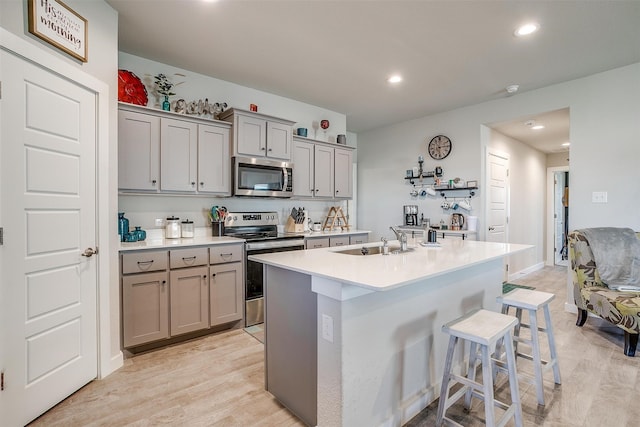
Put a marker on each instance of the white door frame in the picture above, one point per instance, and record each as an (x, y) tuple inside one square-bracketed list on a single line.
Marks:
[(550, 232), (106, 211)]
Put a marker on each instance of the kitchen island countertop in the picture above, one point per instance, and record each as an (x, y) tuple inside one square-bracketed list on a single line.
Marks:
[(384, 272)]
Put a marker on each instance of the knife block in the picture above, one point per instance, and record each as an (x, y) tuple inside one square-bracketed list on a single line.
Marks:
[(292, 227)]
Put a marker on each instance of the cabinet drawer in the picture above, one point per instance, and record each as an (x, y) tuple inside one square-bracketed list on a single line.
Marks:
[(220, 254), (358, 239), (188, 257), (339, 241), (142, 262), (322, 242)]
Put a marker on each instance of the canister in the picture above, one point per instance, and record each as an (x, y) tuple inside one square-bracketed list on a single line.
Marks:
[(187, 228), (172, 228)]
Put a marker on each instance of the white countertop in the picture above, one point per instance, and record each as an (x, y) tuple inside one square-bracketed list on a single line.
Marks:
[(384, 272), (155, 239)]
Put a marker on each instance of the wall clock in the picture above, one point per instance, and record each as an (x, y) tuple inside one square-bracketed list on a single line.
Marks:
[(439, 147)]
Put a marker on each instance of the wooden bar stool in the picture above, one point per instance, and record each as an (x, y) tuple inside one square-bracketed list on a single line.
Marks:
[(532, 301), (482, 328)]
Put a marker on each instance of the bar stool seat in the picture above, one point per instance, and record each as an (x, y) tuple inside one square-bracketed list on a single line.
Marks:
[(483, 329), (532, 301)]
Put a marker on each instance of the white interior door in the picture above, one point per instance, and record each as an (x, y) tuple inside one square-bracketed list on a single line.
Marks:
[(49, 218), (497, 169)]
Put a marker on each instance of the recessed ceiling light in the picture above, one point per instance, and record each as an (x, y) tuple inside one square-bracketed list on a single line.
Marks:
[(566, 144), (396, 78), (533, 125), (512, 88), (526, 29)]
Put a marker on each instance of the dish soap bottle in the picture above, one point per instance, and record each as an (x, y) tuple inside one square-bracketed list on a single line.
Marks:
[(123, 226)]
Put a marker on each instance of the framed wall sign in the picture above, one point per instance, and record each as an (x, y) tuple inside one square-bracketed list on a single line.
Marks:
[(57, 24)]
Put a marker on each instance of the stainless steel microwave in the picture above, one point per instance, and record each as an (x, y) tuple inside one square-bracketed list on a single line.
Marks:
[(262, 178)]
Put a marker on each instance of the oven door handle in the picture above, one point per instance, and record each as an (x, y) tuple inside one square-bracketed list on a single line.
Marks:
[(254, 246)]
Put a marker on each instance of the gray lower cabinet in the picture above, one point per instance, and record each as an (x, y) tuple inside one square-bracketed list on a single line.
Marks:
[(226, 283), (225, 293), (189, 300), (316, 242), (145, 308), (170, 293), (339, 241)]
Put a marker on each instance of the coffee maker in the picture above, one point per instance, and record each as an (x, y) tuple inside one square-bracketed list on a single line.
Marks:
[(411, 215)]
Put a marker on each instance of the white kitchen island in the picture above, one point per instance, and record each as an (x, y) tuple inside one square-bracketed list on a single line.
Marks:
[(353, 340)]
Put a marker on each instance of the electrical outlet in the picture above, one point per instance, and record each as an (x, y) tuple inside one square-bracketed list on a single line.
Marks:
[(599, 197), (159, 222), (327, 327)]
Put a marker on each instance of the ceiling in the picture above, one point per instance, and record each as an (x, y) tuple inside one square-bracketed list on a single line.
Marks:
[(338, 54)]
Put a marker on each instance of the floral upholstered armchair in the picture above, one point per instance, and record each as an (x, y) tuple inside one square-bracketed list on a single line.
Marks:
[(591, 295)]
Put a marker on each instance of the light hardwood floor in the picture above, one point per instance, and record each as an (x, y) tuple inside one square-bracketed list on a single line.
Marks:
[(219, 381)]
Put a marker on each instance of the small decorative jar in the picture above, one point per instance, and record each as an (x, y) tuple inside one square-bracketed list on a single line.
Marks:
[(123, 226), (140, 234), (166, 105), (172, 228), (131, 237), (187, 228)]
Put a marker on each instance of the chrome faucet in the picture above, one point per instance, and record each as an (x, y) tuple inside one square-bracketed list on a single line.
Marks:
[(402, 237)]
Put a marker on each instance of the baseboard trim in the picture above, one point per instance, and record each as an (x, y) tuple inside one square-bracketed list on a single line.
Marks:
[(528, 270)]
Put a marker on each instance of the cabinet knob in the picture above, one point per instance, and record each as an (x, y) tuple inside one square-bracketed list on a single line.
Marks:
[(204, 276), (193, 183), (213, 274), (164, 281), (270, 149), (263, 148), (153, 182), (202, 183), (337, 191), (491, 228)]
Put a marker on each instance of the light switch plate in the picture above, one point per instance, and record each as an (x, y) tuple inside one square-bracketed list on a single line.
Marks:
[(327, 327), (599, 197)]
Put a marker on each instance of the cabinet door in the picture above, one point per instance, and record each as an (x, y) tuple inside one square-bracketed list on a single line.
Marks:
[(303, 169), (138, 151), (145, 308), (251, 136), (214, 175), (189, 300), (279, 137), (178, 155), (225, 293), (324, 168), (344, 173)]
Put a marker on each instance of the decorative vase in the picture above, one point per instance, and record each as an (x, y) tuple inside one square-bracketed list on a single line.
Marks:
[(123, 226), (166, 105), (140, 234)]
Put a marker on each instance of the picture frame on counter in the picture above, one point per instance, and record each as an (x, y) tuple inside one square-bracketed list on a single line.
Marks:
[(59, 25), (472, 183)]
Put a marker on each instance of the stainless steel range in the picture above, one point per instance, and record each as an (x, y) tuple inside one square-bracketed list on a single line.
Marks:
[(260, 230)]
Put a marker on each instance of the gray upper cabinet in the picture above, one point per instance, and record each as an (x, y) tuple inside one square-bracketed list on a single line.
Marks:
[(322, 170), (343, 173), (258, 135), (178, 154), (168, 152), (214, 173), (138, 151)]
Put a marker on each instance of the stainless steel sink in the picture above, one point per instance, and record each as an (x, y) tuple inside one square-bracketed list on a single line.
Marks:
[(370, 250)]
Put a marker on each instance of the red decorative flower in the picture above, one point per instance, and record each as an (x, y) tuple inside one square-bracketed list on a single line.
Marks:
[(324, 124), (131, 89)]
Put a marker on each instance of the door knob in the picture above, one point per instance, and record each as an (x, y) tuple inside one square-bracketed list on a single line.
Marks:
[(89, 252), (491, 228)]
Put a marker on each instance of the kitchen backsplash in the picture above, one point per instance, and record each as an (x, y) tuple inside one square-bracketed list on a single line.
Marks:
[(144, 210)]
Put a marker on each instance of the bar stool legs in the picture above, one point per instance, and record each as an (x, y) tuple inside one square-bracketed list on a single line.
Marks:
[(482, 329), (532, 302)]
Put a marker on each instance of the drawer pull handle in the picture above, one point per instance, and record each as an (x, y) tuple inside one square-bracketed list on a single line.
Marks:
[(145, 262), (191, 258), (229, 254), (213, 275), (317, 246)]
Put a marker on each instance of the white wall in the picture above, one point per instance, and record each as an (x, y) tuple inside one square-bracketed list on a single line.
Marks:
[(103, 65), (604, 151), (558, 159), (143, 210)]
